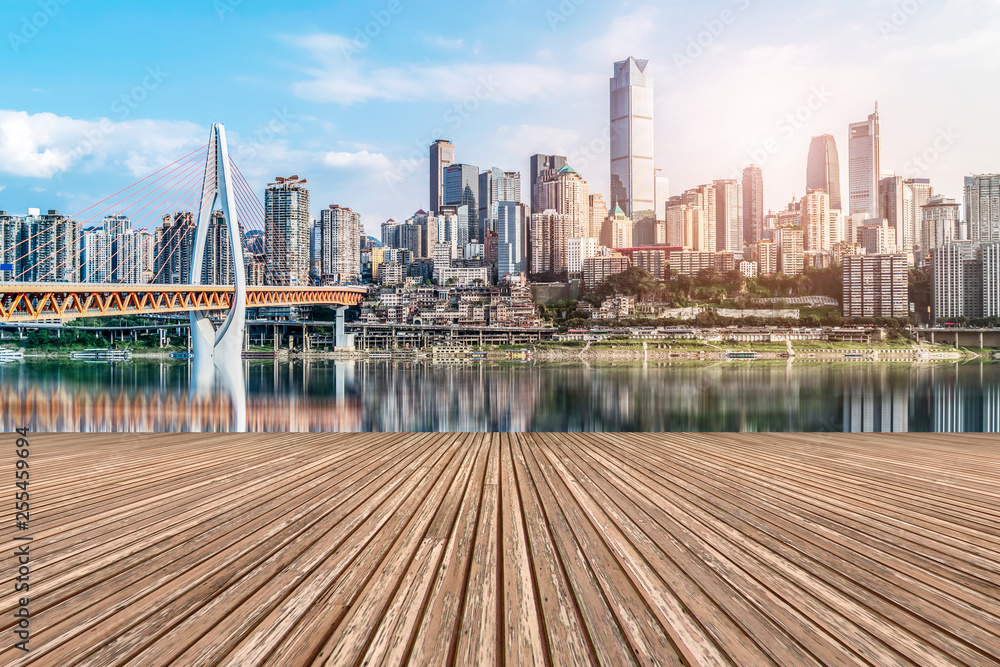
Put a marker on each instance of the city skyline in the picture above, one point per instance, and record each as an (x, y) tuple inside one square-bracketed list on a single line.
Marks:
[(367, 149)]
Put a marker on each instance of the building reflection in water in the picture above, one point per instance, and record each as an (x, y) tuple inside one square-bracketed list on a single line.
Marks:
[(303, 396)]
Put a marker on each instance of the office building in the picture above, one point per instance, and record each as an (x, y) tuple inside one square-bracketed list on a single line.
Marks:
[(876, 286), (632, 171), (340, 244), (495, 186), (442, 154), (982, 207), (461, 188), (864, 165), (286, 241), (823, 168), (753, 204), (512, 246)]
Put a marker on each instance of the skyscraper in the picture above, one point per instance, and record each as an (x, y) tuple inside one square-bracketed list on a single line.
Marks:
[(815, 220), (495, 186), (539, 164), (865, 165), (939, 219), (598, 213), (729, 216), (174, 248), (632, 175), (566, 193), (753, 204), (982, 207), (217, 264), (286, 240), (895, 205), (340, 244), (442, 155), (702, 199), (823, 168), (461, 188), (512, 224)]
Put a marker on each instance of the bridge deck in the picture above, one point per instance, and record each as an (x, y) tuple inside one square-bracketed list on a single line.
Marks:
[(521, 549)]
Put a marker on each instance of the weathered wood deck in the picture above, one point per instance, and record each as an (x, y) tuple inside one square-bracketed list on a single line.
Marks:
[(476, 549)]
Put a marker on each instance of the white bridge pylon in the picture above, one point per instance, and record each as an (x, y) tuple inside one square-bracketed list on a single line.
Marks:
[(225, 345), (218, 353)]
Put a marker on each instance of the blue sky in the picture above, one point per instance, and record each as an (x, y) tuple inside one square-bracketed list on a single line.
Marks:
[(94, 95)]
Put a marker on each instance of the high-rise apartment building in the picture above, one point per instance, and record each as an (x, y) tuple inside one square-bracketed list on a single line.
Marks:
[(823, 168), (982, 207), (58, 242), (429, 232), (286, 239), (729, 216), (442, 154), (495, 186), (922, 192), (790, 251), (753, 204), (632, 171), (940, 222), (461, 188), (876, 286), (598, 214), (512, 246), (174, 249), (539, 165), (897, 207), (865, 165), (815, 220), (217, 264), (578, 250), (549, 236), (956, 281), (340, 244), (568, 194), (617, 232)]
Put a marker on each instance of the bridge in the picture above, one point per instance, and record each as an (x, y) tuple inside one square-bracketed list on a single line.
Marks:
[(30, 302), (55, 267)]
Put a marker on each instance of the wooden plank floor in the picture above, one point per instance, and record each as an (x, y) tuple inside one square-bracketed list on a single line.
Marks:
[(520, 549)]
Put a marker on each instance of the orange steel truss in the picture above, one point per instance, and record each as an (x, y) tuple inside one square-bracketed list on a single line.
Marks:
[(43, 301)]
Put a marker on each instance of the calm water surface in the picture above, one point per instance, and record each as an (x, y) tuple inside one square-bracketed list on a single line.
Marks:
[(422, 396)]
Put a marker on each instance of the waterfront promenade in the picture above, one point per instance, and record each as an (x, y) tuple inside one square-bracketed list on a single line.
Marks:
[(516, 549)]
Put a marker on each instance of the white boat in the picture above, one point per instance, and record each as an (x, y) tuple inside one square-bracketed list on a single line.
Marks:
[(101, 354), (10, 355)]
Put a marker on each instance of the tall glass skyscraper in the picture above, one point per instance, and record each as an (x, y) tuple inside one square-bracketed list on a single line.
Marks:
[(632, 175), (461, 188), (753, 204), (865, 165), (823, 168)]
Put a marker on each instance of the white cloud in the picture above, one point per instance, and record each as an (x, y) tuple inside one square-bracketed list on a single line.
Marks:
[(342, 78), (42, 145), (360, 160)]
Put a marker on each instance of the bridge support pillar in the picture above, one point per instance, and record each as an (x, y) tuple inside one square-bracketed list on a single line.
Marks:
[(343, 340)]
